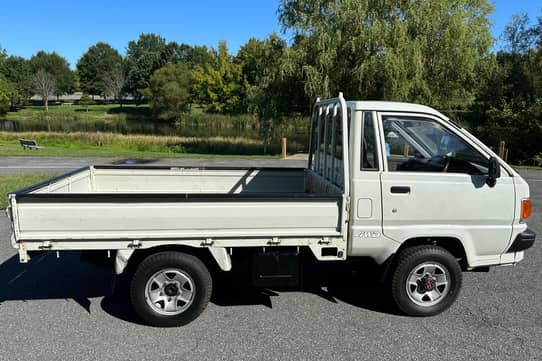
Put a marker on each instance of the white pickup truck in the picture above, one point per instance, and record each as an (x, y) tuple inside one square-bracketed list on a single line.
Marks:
[(399, 183)]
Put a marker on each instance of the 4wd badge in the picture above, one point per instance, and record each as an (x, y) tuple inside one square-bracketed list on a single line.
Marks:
[(369, 234)]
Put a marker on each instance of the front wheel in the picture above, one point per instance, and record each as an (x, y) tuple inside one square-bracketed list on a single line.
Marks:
[(426, 280), (170, 289)]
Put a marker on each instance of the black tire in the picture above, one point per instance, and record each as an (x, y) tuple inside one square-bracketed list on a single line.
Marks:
[(185, 264), (417, 300)]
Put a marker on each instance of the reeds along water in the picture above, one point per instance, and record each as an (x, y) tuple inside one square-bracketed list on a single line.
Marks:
[(195, 133), (149, 143)]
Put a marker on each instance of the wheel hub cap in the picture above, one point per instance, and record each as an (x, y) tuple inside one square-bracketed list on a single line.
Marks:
[(170, 291), (428, 284)]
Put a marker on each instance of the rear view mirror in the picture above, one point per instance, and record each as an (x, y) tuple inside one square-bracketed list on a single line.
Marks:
[(493, 172)]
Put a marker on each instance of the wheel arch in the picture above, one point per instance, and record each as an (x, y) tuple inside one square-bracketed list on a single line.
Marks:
[(129, 260), (451, 244)]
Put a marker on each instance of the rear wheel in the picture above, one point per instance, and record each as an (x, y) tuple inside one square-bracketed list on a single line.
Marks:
[(426, 280), (170, 289)]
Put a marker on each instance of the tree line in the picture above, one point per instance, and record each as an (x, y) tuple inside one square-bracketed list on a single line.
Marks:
[(437, 53)]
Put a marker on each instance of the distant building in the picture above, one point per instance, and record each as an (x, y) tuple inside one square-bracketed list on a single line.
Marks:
[(75, 97)]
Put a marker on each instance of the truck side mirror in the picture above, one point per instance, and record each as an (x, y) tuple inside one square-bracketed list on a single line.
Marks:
[(493, 172)]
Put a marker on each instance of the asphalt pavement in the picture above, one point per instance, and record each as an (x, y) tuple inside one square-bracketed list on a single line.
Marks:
[(17, 165), (62, 309)]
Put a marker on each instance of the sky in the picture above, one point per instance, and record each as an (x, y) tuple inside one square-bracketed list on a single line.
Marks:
[(70, 27)]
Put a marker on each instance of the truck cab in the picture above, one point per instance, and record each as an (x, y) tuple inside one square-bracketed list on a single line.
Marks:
[(419, 186), (415, 174)]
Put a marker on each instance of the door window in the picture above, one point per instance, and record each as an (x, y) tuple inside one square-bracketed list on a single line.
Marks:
[(417, 144)]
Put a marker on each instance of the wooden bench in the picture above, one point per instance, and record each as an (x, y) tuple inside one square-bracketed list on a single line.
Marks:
[(29, 144)]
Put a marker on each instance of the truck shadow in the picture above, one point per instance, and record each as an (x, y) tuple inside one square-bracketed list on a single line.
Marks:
[(68, 278), (334, 284), (45, 277)]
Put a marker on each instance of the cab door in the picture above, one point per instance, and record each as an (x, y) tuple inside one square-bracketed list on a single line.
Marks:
[(434, 184), (366, 234)]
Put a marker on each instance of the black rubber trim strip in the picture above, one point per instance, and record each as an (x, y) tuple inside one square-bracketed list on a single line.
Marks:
[(173, 197), (523, 241)]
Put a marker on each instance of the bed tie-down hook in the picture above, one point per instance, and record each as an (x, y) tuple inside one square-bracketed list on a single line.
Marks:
[(136, 243)]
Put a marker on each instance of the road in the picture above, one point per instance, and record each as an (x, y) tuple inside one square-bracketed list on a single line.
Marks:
[(17, 165), (61, 309)]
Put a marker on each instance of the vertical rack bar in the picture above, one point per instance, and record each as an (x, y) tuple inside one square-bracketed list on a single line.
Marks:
[(318, 137), (333, 144), (326, 145)]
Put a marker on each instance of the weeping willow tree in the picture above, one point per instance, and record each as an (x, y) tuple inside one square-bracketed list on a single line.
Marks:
[(419, 50)]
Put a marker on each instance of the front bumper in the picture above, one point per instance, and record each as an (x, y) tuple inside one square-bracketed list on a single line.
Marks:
[(523, 241)]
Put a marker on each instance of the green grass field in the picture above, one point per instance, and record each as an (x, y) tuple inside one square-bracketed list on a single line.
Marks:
[(14, 182), (94, 111), (81, 144), (531, 167)]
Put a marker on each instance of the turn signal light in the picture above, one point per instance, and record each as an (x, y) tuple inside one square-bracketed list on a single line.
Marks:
[(526, 209)]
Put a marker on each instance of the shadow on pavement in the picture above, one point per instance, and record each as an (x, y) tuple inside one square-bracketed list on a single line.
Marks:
[(47, 277), (335, 283)]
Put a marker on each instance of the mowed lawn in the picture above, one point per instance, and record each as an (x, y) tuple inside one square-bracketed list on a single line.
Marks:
[(13, 182), (99, 111), (100, 144)]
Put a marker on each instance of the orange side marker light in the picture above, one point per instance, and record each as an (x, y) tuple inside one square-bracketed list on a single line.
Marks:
[(526, 209)]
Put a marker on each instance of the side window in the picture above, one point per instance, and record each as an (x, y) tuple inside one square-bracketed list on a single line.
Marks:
[(417, 144), (369, 154)]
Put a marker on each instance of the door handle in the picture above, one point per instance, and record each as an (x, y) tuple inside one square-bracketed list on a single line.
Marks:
[(400, 189)]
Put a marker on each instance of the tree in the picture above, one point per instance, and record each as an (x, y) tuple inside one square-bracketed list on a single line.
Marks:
[(94, 66), (275, 89), (143, 58), (86, 101), (3, 55), (537, 32), (220, 85), (391, 50), (198, 55), (169, 91), (4, 96), (44, 85), (251, 57), (508, 106), (186, 54), (16, 70), (113, 83), (517, 34), (57, 67)]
